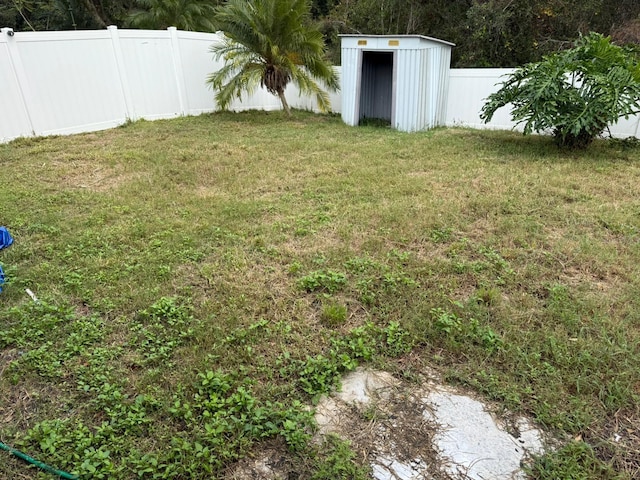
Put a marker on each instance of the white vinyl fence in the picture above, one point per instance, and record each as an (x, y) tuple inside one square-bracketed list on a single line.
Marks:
[(79, 81), (469, 87)]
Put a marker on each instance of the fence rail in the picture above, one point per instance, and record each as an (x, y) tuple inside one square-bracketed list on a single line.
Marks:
[(79, 81)]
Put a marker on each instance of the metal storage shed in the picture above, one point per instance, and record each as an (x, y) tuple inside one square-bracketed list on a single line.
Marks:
[(403, 79)]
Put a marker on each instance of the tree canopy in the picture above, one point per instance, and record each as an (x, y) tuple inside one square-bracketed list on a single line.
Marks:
[(195, 15), (487, 33)]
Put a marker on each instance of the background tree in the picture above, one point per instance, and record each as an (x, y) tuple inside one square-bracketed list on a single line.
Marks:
[(194, 15), (498, 33), (574, 94), (487, 33), (270, 43), (62, 14), (35, 15)]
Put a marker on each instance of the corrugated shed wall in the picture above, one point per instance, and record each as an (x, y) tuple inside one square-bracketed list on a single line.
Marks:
[(421, 88), (412, 80), (349, 86), (434, 87), (443, 79), (404, 100), (420, 76)]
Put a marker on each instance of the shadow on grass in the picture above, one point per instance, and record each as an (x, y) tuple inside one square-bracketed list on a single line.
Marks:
[(509, 146), (269, 117)]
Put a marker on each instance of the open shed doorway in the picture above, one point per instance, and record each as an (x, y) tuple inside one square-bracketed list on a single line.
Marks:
[(377, 87)]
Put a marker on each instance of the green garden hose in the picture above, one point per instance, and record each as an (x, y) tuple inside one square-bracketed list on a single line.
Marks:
[(37, 463)]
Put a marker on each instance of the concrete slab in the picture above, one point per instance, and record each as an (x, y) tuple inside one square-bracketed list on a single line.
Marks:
[(363, 386), (463, 440), (410, 432), (472, 442)]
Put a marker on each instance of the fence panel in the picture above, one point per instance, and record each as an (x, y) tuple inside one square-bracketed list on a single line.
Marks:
[(149, 68), (625, 128), (198, 63), (72, 79), (14, 117), (468, 87)]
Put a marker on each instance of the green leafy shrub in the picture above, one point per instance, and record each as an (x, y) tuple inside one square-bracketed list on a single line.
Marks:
[(160, 329), (319, 280), (574, 94)]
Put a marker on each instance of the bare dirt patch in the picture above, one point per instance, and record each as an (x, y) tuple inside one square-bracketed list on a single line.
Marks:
[(622, 444), (270, 464), (88, 175)]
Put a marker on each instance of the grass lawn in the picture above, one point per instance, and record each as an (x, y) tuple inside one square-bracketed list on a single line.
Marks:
[(202, 280)]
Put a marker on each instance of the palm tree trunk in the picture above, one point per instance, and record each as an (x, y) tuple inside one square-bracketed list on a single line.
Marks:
[(285, 105)]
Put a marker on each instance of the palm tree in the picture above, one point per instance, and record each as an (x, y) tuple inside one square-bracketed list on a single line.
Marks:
[(270, 43), (194, 15)]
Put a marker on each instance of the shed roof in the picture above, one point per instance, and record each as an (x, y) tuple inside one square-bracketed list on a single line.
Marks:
[(399, 36)]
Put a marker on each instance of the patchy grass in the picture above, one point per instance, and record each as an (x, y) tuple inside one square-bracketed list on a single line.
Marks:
[(201, 279)]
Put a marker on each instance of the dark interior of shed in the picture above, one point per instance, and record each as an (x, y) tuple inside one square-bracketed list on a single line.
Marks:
[(376, 88)]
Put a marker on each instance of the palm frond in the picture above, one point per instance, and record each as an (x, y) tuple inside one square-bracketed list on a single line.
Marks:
[(236, 83), (307, 85)]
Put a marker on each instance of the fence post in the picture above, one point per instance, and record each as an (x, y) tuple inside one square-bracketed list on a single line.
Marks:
[(177, 69), (20, 76), (122, 73)]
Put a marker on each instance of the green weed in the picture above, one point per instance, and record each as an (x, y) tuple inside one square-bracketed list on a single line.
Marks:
[(338, 462), (574, 461), (333, 314), (320, 280)]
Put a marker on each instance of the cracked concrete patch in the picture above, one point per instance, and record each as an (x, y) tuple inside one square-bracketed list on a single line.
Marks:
[(364, 386), (471, 441), (391, 469), (426, 431), (409, 432)]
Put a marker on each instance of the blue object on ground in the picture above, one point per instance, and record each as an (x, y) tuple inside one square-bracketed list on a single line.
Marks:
[(5, 238), (5, 241)]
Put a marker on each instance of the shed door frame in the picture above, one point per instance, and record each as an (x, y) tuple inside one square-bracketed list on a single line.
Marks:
[(393, 82)]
